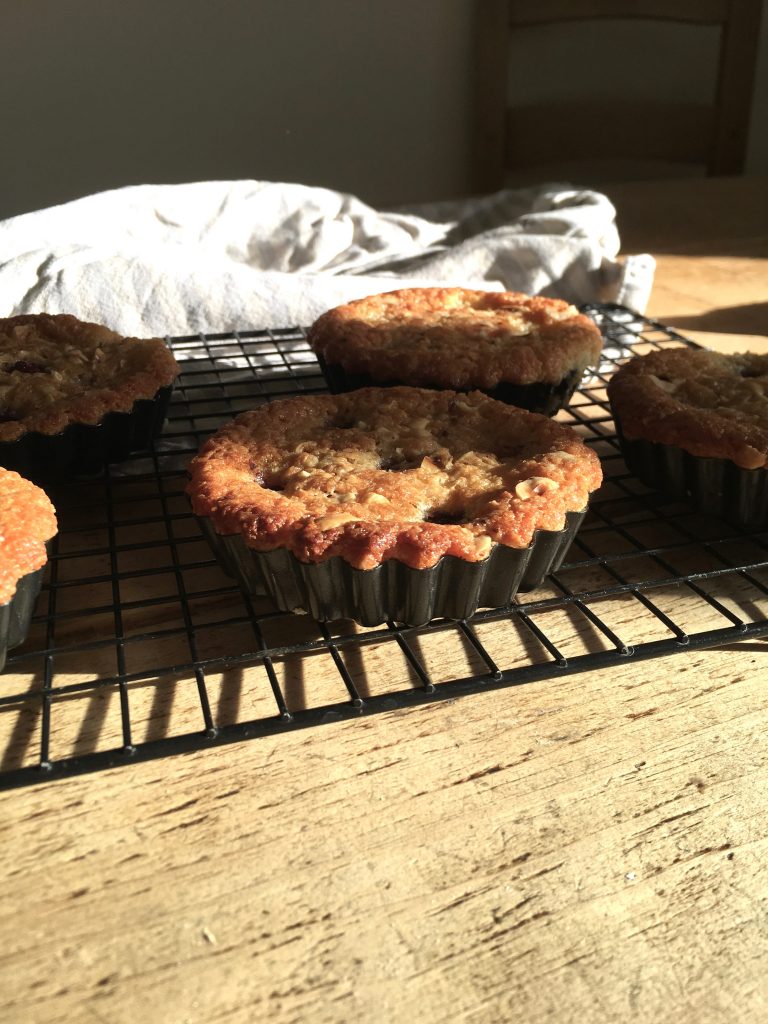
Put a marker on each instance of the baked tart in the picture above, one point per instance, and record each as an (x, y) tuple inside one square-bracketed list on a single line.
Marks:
[(694, 424), (27, 523), (527, 351), (76, 395), (391, 503)]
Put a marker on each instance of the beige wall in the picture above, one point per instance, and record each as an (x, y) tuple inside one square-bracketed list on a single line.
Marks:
[(369, 96), (362, 96)]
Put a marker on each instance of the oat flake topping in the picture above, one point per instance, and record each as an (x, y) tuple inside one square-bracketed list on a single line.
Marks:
[(708, 403), (56, 370), (383, 473)]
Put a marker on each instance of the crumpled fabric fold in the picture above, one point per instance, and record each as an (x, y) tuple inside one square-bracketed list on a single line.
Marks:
[(209, 257)]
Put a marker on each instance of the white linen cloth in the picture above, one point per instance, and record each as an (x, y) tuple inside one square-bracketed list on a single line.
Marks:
[(221, 256)]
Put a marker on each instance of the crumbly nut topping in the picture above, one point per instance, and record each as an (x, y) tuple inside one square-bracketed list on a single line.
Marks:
[(710, 404), (457, 338), (56, 370), (27, 521), (384, 473), (535, 486)]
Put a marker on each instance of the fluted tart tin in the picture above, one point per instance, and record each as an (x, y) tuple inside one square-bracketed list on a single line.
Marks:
[(451, 589), (391, 503)]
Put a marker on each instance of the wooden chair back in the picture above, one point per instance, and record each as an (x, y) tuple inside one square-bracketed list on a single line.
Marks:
[(610, 136)]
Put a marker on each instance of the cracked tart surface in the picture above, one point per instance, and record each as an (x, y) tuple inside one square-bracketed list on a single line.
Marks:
[(56, 370), (391, 473), (709, 404), (457, 338)]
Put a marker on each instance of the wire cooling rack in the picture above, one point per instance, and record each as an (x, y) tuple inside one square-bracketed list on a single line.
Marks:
[(142, 647)]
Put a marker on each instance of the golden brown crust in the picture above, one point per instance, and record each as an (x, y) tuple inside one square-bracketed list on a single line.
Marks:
[(56, 370), (27, 521), (384, 473), (709, 404), (457, 338)]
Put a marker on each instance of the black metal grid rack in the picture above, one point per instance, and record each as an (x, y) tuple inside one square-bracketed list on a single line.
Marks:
[(141, 647)]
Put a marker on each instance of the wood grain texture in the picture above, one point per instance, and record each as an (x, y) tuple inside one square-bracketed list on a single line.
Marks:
[(586, 848), (582, 849)]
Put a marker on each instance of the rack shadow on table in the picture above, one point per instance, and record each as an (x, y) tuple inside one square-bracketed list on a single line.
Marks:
[(141, 646)]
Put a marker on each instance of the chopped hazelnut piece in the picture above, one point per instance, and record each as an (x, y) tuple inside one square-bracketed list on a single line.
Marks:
[(536, 485), (331, 522), (483, 547)]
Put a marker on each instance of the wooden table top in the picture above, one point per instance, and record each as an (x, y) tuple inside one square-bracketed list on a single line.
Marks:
[(586, 848), (710, 241)]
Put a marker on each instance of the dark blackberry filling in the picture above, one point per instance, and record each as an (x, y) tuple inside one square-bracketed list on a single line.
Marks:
[(445, 518), (400, 464), (25, 366)]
